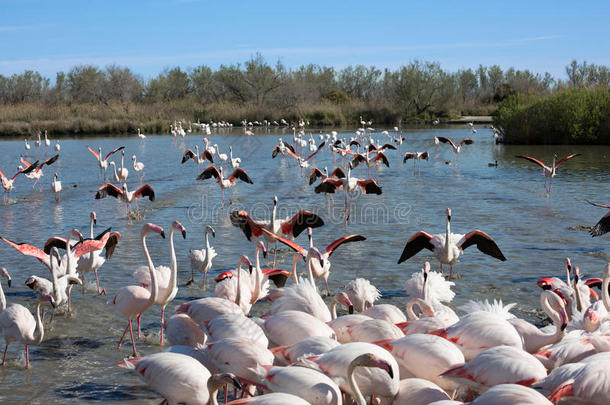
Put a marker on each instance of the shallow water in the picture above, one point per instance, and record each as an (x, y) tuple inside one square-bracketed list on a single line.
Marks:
[(76, 361)]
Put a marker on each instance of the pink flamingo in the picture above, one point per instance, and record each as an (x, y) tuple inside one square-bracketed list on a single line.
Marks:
[(222, 182), (236, 326), (289, 327), (134, 300), (180, 330), (123, 194), (36, 174), (548, 172), (8, 184), (103, 163), (234, 289), (17, 321), (456, 148), (285, 355), (204, 309)]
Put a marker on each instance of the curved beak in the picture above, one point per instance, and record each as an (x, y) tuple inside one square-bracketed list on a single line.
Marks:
[(162, 233), (350, 309), (9, 283), (236, 383), (183, 234)]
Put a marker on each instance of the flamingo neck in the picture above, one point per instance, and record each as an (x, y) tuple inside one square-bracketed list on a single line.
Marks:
[(355, 389), (69, 254), (333, 310), (295, 279), (423, 306), (238, 295), (273, 213), (568, 281), (579, 300), (447, 234), (38, 334), (173, 266), (91, 221), (259, 276), (605, 294), (310, 271), (122, 162), (2, 299), (554, 315), (207, 244), (154, 289)]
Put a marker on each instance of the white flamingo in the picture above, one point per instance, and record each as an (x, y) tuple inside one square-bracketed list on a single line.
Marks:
[(201, 259)]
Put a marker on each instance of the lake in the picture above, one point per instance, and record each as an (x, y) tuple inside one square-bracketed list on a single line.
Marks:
[(76, 361)]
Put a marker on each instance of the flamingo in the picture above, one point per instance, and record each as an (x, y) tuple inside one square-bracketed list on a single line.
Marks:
[(36, 174), (222, 182), (510, 394), (349, 185), (26, 146), (57, 146), (181, 330), (103, 163), (548, 172), (222, 156), (361, 293), (448, 247), (320, 268), (289, 327), (17, 321), (47, 141), (123, 173), (235, 326), (234, 289), (179, 378), (456, 149), (591, 384), (498, 365), (204, 309), (56, 187), (134, 300), (317, 174), (201, 259), (285, 355), (167, 287), (125, 195), (8, 184), (603, 225), (38, 142), (291, 227), (274, 398), (141, 134), (416, 156), (417, 391), (138, 167), (199, 159), (235, 162), (211, 149)]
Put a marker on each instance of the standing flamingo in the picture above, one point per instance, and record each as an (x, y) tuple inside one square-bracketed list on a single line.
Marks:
[(18, 324), (103, 163), (138, 167), (448, 247), (134, 300), (57, 146), (548, 172), (201, 259), (56, 187)]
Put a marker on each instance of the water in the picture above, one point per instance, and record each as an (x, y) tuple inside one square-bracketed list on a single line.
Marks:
[(76, 361)]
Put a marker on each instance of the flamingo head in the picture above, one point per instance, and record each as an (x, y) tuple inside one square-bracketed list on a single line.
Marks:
[(274, 201), (46, 299), (55, 253), (544, 283), (133, 157), (568, 263), (426, 270), (261, 246), (576, 272), (150, 228), (343, 299), (370, 360), (4, 273), (76, 234), (179, 227), (211, 230), (218, 380), (92, 215), (591, 319), (243, 259), (123, 152), (448, 214), (32, 282), (558, 305), (314, 253), (99, 149)]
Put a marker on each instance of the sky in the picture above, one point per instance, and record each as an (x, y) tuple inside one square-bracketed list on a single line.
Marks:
[(149, 36)]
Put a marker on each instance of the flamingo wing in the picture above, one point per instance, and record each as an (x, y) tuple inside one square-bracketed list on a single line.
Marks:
[(328, 186), (381, 156), (58, 242), (278, 276), (354, 142), (290, 148), (276, 150), (598, 205), (292, 245), (25, 162), (26, 170), (189, 154), (293, 154), (207, 155), (345, 239), (97, 155), (566, 158), (91, 245), (371, 148), (424, 155), (446, 140), (108, 190), (314, 175), (111, 244), (249, 227), (369, 186), (483, 242), (49, 161), (114, 151), (209, 172), (420, 240), (338, 173), (388, 146), (466, 141), (531, 159), (241, 174), (602, 226), (28, 250), (359, 158), (145, 191), (409, 155), (317, 150), (299, 222)]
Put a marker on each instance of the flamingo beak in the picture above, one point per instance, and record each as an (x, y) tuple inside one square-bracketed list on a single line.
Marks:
[(384, 365), (184, 234), (162, 233), (264, 253), (544, 283), (9, 283), (350, 309), (236, 383)]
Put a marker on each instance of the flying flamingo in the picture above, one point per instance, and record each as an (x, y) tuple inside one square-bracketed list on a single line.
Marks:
[(179, 378), (456, 149), (199, 159), (318, 174), (201, 259), (18, 324), (291, 227), (448, 247), (36, 174), (320, 268), (167, 287), (103, 163), (138, 167), (134, 300), (123, 194), (603, 225), (349, 185), (222, 182), (548, 172), (7, 183), (417, 157)]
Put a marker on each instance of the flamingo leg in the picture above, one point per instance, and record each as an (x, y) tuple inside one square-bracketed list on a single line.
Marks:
[(227, 385), (133, 342), (327, 290), (123, 335), (4, 357), (69, 302), (27, 356), (82, 277), (205, 274), (274, 254), (162, 322), (139, 330), (97, 281)]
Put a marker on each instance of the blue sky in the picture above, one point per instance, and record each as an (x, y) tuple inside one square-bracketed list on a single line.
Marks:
[(148, 36)]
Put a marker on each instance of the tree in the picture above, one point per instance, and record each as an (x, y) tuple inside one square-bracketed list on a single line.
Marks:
[(122, 85), (86, 83)]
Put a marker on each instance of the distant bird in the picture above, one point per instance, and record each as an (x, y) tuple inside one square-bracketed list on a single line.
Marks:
[(57, 146), (56, 187), (27, 146), (103, 163), (449, 246), (141, 135), (456, 149), (603, 226), (235, 162), (416, 156), (138, 167), (222, 182), (125, 195), (47, 141), (201, 259), (199, 159), (548, 172)]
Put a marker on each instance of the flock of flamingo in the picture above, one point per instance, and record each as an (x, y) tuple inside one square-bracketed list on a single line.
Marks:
[(301, 351)]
